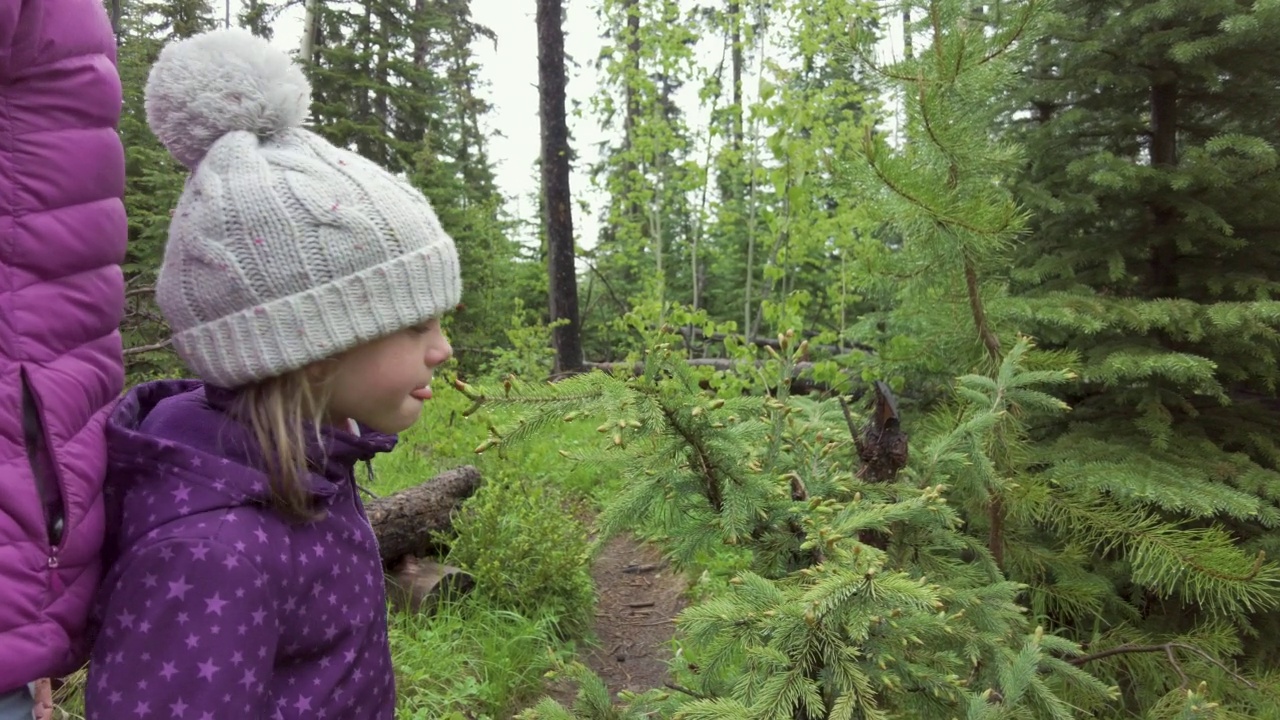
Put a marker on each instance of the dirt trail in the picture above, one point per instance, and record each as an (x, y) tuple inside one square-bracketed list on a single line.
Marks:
[(639, 597)]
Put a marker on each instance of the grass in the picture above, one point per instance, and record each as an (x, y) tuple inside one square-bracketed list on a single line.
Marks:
[(470, 660), (484, 655), (443, 439)]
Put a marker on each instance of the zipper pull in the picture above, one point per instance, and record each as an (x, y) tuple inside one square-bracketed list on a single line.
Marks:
[(55, 577)]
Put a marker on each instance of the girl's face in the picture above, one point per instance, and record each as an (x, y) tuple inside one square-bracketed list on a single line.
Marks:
[(383, 384)]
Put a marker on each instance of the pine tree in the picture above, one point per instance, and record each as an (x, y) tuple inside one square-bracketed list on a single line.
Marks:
[(395, 81), (256, 16), (1153, 256), (153, 180)]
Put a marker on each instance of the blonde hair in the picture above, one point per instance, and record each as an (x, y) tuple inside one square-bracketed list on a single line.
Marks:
[(285, 413)]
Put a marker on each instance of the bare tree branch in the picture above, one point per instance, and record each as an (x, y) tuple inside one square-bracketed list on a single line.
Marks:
[(140, 349), (1168, 649)]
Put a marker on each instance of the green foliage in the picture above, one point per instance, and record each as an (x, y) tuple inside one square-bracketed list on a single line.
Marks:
[(649, 176), (781, 222), (529, 354), (527, 550), (469, 660), (859, 600), (520, 536), (1151, 184), (484, 655), (593, 700)]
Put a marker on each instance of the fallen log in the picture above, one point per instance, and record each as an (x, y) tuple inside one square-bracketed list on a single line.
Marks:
[(693, 334), (719, 364), (404, 521), (800, 385)]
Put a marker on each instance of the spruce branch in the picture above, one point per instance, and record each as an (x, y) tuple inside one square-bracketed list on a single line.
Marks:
[(707, 467), (686, 691), (1192, 562)]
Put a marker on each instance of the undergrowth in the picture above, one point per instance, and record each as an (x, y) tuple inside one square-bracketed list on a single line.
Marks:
[(523, 536)]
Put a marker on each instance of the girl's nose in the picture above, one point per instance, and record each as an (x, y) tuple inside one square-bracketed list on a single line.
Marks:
[(438, 352)]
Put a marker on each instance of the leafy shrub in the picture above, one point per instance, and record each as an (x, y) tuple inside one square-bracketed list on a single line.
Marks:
[(530, 355), (527, 550)]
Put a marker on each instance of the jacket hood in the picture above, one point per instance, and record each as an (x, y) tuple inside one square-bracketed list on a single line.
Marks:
[(174, 451)]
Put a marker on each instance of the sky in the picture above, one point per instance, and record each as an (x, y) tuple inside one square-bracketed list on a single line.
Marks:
[(509, 74)]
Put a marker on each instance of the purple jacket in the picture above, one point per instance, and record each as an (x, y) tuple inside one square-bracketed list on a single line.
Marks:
[(62, 238), (214, 605)]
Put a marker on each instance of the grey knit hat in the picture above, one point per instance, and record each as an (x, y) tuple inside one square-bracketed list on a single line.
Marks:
[(283, 249)]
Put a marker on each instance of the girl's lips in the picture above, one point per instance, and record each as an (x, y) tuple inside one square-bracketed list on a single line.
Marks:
[(422, 393)]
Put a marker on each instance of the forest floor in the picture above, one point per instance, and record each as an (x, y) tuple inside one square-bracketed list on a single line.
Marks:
[(638, 598)]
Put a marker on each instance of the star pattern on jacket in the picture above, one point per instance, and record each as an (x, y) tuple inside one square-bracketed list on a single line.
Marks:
[(220, 607)]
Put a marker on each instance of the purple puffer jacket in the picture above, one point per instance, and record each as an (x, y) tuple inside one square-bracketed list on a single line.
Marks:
[(62, 238)]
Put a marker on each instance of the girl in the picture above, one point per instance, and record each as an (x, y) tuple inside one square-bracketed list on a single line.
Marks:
[(303, 286), (62, 238)]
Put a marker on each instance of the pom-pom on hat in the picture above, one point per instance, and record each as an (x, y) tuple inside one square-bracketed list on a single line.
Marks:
[(283, 249)]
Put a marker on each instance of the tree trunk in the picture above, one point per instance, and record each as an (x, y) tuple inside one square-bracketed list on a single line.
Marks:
[(380, 102), (735, 17), (558, 217), (907, 51), (1164, 155), (404, 521), (420, 39), (631, 8), (309, 31)]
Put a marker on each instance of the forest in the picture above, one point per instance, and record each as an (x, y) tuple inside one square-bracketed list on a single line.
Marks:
[(945, 377)]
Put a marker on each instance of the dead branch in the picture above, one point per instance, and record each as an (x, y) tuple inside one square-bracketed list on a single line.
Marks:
[(882, 445), (140, 349), (1168, 649)]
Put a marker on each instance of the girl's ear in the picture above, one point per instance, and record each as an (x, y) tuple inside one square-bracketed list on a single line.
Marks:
[(320, 372)]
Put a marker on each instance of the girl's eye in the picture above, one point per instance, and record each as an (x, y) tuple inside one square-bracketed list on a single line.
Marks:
[(422, 328)]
